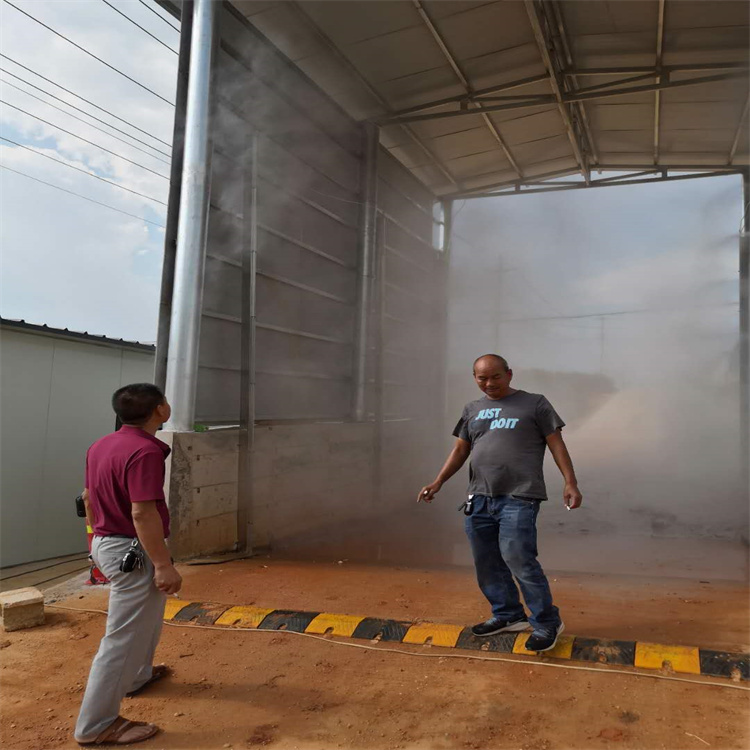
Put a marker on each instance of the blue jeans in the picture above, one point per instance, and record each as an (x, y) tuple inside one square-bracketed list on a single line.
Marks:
[(502, 532)]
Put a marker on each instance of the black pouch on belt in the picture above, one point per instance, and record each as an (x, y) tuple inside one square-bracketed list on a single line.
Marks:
[(133, 558), (467, 506)]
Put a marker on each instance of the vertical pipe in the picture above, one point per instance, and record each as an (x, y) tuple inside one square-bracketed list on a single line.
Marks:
[(173, 202), (378, 338), (369, 197), (745, 330), (443, 298), (247, 349), (187, 297)]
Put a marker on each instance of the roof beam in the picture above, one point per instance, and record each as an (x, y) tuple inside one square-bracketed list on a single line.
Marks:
[(576, 96), (440, 41), (657, 93), (630, 170), (738, 133), (540, 28), (636, 70), (557, 10), (595, 184), (477, 93), (351, 68)]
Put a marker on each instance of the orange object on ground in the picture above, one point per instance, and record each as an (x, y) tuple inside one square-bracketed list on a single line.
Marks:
[(96, 577)]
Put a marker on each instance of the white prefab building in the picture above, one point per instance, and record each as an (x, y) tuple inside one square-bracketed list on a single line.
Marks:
[(55, 388)]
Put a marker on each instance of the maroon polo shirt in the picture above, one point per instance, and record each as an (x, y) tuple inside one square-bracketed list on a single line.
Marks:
[(123, 468)]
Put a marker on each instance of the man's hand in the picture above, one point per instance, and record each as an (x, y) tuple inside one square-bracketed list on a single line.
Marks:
[(427, 493), (572, 496), (167, 579)]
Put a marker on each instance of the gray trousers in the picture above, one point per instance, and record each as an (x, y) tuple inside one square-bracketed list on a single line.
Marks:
[(124, 660)]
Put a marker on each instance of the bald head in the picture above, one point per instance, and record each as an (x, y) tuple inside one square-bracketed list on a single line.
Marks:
[(493, 376), (491, 359)]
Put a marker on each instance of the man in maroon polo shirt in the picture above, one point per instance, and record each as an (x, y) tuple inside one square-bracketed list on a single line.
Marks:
[(126, 508)]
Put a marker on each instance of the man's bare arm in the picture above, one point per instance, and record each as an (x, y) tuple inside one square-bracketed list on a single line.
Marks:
[(456, 459), (148, 526), (558, 449)]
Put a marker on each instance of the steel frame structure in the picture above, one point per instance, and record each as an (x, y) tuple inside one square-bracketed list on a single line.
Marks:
[(184, 263)]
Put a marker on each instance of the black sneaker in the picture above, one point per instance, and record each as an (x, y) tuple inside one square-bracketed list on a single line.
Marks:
[(493, 626), (544, 641)]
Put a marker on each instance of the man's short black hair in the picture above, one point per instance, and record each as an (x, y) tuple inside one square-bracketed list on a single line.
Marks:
[(134, 404), (501, 360)]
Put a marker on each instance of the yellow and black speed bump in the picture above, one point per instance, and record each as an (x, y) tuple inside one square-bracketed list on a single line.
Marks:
[(603, 651), (384, 630), (681, 659), (286, 619), (203, 614), (722, 664), (500, 643)]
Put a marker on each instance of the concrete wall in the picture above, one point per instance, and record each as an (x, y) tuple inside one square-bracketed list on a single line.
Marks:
[(201, 489), (54, 401), (304, 478)]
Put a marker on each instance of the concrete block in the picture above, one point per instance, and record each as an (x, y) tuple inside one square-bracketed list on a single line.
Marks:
[(215, 441), (215, 534), (214, 500), (22, 608), (214, 468)]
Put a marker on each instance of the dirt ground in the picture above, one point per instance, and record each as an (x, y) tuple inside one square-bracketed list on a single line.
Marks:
[(251, 689)]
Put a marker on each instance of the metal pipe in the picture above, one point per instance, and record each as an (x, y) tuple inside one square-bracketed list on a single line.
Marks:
[(659, 77), (738, 132), (745, 330), (173, 202), (247, 346), (187, 298), (367, 269)]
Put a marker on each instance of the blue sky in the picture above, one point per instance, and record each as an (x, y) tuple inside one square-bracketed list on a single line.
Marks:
[(65, 261)]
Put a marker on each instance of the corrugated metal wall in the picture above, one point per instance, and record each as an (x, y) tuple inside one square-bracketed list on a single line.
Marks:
[(308, 162)]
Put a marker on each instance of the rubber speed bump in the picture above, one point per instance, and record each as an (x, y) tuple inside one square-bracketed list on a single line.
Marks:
[(679, 658), (562, 650), (172, 607), (243, 617), (343, 625), (685, 659), (202, 614), (287, 619), (433, 634)]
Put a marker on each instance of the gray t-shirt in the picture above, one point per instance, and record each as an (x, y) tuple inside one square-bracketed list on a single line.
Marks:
[(507, 439)]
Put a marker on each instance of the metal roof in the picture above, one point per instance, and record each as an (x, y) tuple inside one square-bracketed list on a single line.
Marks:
[(475, 96), (65, 333)]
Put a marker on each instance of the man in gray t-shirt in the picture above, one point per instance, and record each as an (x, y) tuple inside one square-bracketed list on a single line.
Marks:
[(506, 433)]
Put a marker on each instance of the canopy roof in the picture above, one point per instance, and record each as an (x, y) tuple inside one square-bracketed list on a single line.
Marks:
[(481, 96)]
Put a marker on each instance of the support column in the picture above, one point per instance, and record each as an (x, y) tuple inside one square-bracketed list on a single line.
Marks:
[(745, 330), (447, 212), (369, 196), (247, 352), (173, 202), (187, 296)]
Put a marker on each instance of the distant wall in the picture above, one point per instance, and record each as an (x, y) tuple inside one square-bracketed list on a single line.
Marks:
[(54, 402)]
